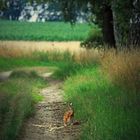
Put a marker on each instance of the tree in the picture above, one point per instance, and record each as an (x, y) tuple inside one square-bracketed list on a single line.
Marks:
[(102, 9), (104, 16), (2, 4), (119, 20), (11, 8)]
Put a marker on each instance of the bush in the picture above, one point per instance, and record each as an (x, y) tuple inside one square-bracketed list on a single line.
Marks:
[(94, 40)]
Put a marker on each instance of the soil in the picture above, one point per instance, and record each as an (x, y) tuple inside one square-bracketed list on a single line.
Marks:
[(47, 122)]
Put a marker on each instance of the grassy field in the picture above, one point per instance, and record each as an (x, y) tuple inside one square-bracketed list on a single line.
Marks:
[(49, 31), (103, 87)]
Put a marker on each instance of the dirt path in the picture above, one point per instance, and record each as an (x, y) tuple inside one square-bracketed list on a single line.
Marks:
[(4, 75), (47, 123)]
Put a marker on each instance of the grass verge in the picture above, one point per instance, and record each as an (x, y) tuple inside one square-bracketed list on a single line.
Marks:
[(106, 97), (107, 111), (17, 98)]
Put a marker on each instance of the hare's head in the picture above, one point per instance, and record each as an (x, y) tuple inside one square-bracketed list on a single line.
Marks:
[(70, 106)]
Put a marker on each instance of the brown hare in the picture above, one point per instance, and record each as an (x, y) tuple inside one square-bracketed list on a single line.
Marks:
[(68, 115)]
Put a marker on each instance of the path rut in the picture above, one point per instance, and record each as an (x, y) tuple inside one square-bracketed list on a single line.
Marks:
[(47, 122)]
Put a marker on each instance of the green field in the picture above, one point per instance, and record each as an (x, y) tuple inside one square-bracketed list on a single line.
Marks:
[(49, 31)]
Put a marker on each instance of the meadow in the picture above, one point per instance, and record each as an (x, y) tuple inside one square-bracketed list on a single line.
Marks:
[(102, 85), (49, 31)]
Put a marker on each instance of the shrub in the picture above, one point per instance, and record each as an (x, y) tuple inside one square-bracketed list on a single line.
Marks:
[(93, 40)]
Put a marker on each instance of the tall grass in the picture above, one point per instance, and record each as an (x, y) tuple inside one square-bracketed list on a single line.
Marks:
[(104, 90), (17, 98), (49, 31), (69, 63), (123, 68), (106, 98)]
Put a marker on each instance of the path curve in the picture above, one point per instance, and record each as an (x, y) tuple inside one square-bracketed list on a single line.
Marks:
[(5, 75), (47, 123)]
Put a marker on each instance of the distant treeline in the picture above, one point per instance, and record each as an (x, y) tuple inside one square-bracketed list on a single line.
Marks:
[(24, 10)]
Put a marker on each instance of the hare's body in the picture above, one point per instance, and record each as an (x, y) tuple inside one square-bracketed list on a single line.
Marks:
[(68, 116)]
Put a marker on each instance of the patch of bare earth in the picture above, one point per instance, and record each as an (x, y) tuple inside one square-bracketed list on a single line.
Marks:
[(47, 122)]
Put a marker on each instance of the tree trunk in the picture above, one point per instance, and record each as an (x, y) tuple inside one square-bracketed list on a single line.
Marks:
[(134, 32), (108, 29)]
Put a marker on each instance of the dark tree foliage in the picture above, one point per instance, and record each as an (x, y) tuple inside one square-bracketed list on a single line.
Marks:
[(69, 11), (12, 8), (103, 11), (134, 33), (123, 13), (119, 20), (2, 5), (127, 22)]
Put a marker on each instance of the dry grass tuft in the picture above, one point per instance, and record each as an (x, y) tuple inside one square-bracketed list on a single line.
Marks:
[(123, 67), (88, 56), (12, 52)]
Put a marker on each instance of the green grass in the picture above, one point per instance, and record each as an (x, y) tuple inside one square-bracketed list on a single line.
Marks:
[(64, 63), (107, 111), (17, 98), (21, 62), (11, 63), (107, 108), (49, 31)]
